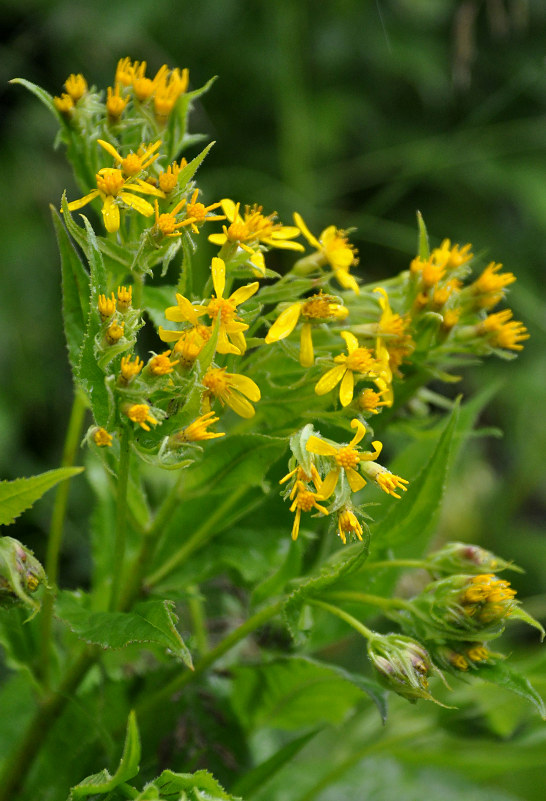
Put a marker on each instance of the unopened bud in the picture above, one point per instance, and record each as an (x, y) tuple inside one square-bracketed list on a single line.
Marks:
[(20, 573)]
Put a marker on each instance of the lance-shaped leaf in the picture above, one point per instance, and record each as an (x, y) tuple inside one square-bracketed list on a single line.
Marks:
[(103, 782), (150, 622), (41, 94), (199, 786), (20, 494), (506, 677)]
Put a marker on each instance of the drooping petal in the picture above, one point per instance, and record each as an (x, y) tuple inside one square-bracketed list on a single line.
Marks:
[(329, 483), (239, 404), (185, 311), (110, 214), (346, 390), (284, 324), (245, 385), (296, 525), (350, 340), (223, 345), (346, 280), (169, 336), (110, 149), (230, 209), (283, 244), (137, 203), (218, 269), (218, 239), (355, 480), (360, 432), (285, 232), (306, 232), (83, 201), (143, 186), (329, 380), (238, 339), (307, 354), (320, 446), (244, 293)]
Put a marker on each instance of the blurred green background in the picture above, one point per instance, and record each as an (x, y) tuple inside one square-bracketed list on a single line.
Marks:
[(352, 112)]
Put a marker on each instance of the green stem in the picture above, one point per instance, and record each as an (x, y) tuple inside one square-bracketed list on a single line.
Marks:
[(182, 679), (121, 517), (341, 613), (366, 598), (198, 619), (47, 713), (137, 290), (200, 537), (70, 449), (397, 563)]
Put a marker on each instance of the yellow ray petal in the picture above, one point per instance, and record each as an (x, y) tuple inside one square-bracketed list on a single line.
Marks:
[(246, 385), (110, 214), (356, 481), (350, 340), (244, 293), (319, 446), (306, 232), (218, 269), (83, 201), (137, 203), (346, 389), (240, 405), (329, 483), (284, 324), (329, 380), (307, 355)]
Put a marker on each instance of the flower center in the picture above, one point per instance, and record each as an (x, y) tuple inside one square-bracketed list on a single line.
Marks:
[(132, 164), (360, 360), (196, 210), (317, 308), (226, 309), (238, 232), (347, 457), (166, 223), (110, 181), (215, 380), (305, 500)]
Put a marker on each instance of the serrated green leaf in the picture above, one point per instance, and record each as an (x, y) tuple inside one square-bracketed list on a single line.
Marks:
[(20, 494), (150, 622), (76, 291), (506, 677), (293, 692), (199, 786), (186, 173), (103, 782)]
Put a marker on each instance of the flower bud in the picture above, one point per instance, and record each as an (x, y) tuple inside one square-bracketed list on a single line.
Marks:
[(20, 573), (403, 665), (460, 557)]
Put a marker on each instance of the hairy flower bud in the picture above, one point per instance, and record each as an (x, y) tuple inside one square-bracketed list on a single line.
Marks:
[(20, 573), (460, 557), (403, 665)]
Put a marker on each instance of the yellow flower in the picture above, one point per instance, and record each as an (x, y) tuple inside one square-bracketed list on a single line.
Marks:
[(115, 103), (392, 330), (348, 525), (370, 401), (144, 87), (168, 179), (64, 104), (385, 480), (199, 213), (190, 343), (133, 163), (102, 438), (125, 296), (490, 285), (198, 430), (160, 364), (333, 248), (317, 308), (346, 458), (253, 228), (114, 332), (233, 390), (167, 224), (487, 598), (106, 306), (359, 360), (230, 333), (124, 71), (167, 91), (452, 256), (129, 368), (302, 497), (76, 86), (113, 186), (502, 331), (140, 413)]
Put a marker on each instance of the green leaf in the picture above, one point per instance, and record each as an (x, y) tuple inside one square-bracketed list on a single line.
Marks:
[(41, 94), (293, 692), (103, 782), (504, 676), (150, 622), (186, 173), (255, 779), (20, 494), (424, 248), (199, 786), (76, 291)]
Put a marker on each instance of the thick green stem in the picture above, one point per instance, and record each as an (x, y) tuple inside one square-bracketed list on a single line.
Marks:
[(366, 598), (200, 536), (121, 518), (396, 563), (153, 702), (47, 713), (71, 445)]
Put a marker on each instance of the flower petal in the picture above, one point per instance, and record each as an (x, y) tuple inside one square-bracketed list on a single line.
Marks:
[(321, 447), (307, 354), (137, 203), (110, 214), (110, 149), (306, 232), (355, 480), (346, 280), (244, 293), (329, 483), (168, 336), (83, 201), (284, 324), (218, 239), (239, 404), (346, 388), (230, 209), (360, 432), (245, 385), (329, 380), (350, 340), (218, 269), (143, 186)]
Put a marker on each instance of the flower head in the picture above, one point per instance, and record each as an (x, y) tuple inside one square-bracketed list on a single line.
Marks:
[(198, 430), (359, 361), (106, 306), (302, 496), (503, 332), (129, 368), (403, 665), (231, 389), (102, 438), (160, 364), (168, 179), (76, 86), (253, 228), (489, 287), (345, 457), (140, 413), (115, 103), (316, 309), (348, 525), (333, 248)]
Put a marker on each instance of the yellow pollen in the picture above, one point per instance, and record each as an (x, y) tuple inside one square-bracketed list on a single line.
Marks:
[(222, 306), (388, 482), (102, 438), (237, 232), (110, 180), (215, 381), (32, 582), (347, 457), (458, 661), (64, 104), (197, 210), (360, 360), (161, 364), (129, 369), (114, 332), (106, 306), (305, 500), (140, 413), (477, 653), (131, 164), (317, 307)]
